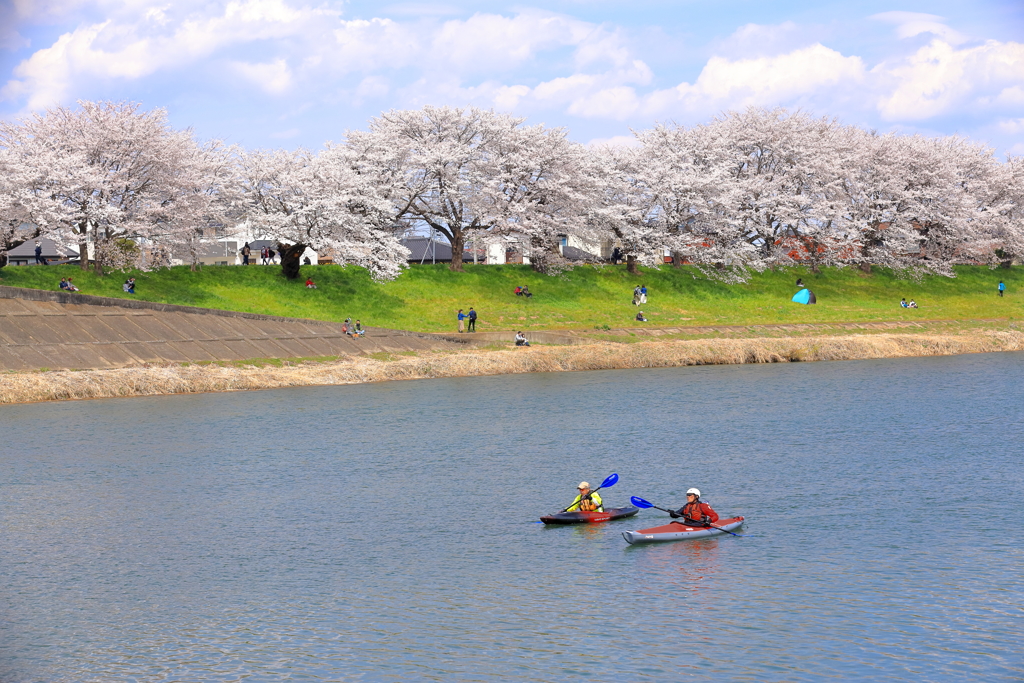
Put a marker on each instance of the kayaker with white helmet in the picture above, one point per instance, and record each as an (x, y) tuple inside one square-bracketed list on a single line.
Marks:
[(587, 501), (695, 512)]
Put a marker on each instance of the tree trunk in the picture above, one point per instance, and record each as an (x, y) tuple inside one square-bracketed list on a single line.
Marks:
[(677, 259), (1006, 264), (631, 265), (83, 246), (458, 245), (866, 267)]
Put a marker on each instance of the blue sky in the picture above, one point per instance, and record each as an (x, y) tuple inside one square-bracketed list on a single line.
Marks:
[(285, 73)]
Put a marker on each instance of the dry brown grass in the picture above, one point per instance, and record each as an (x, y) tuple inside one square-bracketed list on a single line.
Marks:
[(176, 379)]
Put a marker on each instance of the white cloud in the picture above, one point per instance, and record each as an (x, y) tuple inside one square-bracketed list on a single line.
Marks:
[(1011, 126), (273, 77), (758, 40), (939, 77), (372, 87), (765, 81), (286, 134), (612, 103), (910, 24), (530, 61), (130, 51), (614, 141)]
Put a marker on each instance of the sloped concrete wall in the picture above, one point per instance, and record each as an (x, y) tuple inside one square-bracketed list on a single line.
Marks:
[(68, 331)]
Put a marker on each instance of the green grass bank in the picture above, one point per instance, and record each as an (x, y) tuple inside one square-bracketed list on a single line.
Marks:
[(425, 298)]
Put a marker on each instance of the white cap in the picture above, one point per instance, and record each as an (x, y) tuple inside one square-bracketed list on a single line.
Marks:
[(695, 492), (583, 485)]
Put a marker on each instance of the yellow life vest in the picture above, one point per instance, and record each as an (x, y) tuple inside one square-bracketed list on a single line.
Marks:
[(595, 497)]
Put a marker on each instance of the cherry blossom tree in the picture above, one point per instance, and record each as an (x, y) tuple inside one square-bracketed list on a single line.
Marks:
[(470, 173), (102, 174), (324, 200)]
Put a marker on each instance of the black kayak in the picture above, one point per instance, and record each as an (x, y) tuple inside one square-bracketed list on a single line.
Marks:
[(589, 517)]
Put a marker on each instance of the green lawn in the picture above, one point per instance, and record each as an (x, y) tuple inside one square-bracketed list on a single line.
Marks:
[(425, 298)]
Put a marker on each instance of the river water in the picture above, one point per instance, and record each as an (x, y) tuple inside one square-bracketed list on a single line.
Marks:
[(388, 532)]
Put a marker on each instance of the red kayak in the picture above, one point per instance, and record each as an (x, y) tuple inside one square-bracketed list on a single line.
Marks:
[(589, 517)]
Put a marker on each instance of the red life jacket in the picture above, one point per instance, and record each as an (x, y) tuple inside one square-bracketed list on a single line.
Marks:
[(699, 512)]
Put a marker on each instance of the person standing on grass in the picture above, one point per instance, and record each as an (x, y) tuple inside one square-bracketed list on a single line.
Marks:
[(1002, 287), (462, 321), (643, 294), (472, 319)]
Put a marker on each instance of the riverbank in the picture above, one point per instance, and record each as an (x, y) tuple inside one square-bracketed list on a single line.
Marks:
[(589, 298), (190, 378)]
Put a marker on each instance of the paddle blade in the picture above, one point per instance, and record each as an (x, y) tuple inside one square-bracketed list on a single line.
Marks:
[(610, 481), (640, 502)]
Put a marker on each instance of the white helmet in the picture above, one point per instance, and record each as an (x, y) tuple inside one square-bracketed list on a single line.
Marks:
[(695, 492)]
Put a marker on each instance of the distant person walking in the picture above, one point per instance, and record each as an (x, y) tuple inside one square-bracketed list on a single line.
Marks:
[(1002, 287), (39, 255), (246, 250), (462, 321), (472, 319)]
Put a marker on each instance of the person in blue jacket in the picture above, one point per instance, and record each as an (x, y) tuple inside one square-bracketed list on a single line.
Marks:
[(1002, 287)]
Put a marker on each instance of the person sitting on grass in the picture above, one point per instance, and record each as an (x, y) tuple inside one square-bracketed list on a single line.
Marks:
[(521, 339), (129, 286), (912, 304), (71, 286), (903, 303), (640, 317), (310, 284), (526, 292), (63, 283), (519, 291)]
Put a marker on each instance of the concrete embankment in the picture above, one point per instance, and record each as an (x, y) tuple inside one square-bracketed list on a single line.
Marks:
[(175, 379), (59, 330)]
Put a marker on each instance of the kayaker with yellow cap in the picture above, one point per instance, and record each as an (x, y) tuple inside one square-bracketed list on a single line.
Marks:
[(695, 512), (586, 501)]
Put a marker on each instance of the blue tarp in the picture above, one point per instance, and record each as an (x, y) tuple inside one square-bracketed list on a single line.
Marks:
[(805, 296)]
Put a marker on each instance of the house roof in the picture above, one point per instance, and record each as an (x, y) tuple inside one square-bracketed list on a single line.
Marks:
[(256, 245), (28, 248), (225, 249), (424, 249), (577, 254)]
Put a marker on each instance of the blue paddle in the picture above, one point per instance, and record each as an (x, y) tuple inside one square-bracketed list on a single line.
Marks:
[(641, 503), (611, 480)]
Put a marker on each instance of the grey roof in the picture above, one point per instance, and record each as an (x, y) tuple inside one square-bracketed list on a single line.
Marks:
[(225, 249), (577, 254), (425, 249), (256, 245), (28, 248)]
